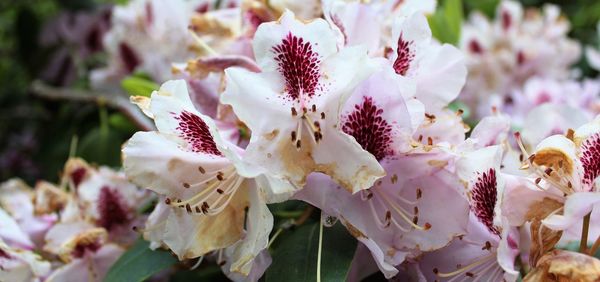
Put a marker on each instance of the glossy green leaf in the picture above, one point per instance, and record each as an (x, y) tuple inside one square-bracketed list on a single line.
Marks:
[(295, 255), (138, 86), (139, 263)]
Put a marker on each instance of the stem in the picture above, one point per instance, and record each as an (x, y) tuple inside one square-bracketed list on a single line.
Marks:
[(584, 233), (274, 237), (320, 248), (305, 215), (595, 247)]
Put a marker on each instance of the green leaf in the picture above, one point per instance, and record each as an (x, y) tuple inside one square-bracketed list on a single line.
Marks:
[(138, 86), (446, 22), (139, 263), (121, 123), (295, 254), (453, 12), (101, 146)]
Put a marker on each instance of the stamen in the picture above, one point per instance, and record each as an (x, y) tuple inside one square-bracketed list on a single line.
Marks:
[(465, 268)]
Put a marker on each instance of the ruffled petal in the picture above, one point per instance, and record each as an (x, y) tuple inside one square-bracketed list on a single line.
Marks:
[(576, 207)]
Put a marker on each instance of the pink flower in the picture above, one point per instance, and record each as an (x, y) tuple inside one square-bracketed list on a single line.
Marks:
[(293, 106)]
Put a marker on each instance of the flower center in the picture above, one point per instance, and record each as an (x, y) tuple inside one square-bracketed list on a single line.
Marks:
[(299, 65), (195, 131), (590, 159), (486, 265), (217, 190), (84, 247), (130, 59), (392, 209), (77, 176), (484, 199), (113, 211), (369, 129), (405, 56)]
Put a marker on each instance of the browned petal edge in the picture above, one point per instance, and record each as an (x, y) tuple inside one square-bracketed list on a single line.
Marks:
[(561, 265), (542, 239)]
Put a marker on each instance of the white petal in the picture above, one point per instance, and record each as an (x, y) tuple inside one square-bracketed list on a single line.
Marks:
[(154, 161), (576, 207), (258, 227)]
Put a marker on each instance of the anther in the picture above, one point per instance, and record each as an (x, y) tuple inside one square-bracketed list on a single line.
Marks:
[(220, 176), (294, 113), (298, 144), (429, 141), (316, 123), (294, 136), (548, 171), (322, 115), (416, 209), (314, 108), (205, 207), (415, 219), (470, 274), (198, 209), (420, 139), (188, 208), (427, 226), (220, 191), (167, 201), (304, 110), (201, 169), (538, 180), (186, 185), (419, 193)]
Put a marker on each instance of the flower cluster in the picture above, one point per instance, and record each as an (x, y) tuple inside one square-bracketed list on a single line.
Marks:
[(347, 106), (73, 231)]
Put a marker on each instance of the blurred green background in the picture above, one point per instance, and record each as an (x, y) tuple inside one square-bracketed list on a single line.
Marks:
[(37, 134)]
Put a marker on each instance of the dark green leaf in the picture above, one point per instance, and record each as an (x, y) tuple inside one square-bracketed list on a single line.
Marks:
[(139, 263), (295, 256), (101, 146)]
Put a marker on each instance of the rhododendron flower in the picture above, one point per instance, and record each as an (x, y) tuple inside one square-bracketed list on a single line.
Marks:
[(105, 198), (561, 189), (148, 36), (21, 265), (503, 54), (198, 173), (83, 249), (489, 248), (399, 216), (292, 106), (17, 200), (439, 71)]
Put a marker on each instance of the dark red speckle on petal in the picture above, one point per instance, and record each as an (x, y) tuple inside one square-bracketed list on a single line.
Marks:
[(506, 20), (112, 209), (405, 56), (299, 65), (77, 176), (4, 254), (484, 199), (369, 129), (195, 131), (475, 47), (590, 159), (130, 59), (84, 247)]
